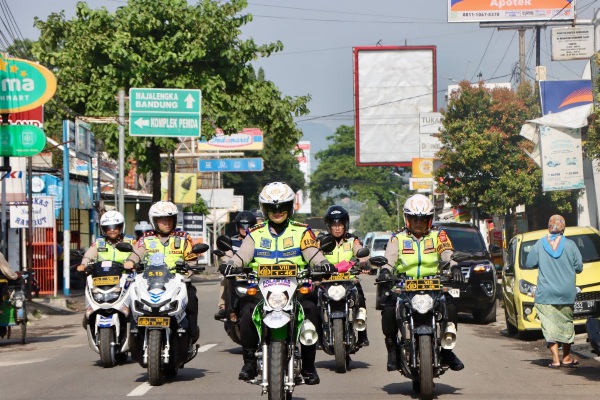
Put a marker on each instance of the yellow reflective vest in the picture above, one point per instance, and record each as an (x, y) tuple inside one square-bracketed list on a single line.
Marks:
[(270, 248), (419, 258), (173, 249), (108, 252), (343, 251)]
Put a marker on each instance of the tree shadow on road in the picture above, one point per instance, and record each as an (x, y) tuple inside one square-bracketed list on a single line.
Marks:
[(405, 388)]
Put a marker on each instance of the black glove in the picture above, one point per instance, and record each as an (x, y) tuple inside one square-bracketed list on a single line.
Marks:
[(365, 267), (457, 275), (326, 267), (384, 275), (229, 268)]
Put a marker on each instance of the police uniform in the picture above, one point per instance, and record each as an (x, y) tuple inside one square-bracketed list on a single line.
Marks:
[(105, 250)]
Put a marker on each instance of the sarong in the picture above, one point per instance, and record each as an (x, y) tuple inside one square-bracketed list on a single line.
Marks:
[(557, 322)]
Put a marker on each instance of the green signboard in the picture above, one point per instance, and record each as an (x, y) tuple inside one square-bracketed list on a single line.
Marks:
[(164, 112), (21, 140), (24, 85)]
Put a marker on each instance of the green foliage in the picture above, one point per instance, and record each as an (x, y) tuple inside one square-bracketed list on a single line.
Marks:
[(166, 44), (198, 208), (483, 162), (374, 218)]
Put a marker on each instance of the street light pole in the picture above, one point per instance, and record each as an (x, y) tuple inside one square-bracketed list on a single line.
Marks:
[(397, 210)]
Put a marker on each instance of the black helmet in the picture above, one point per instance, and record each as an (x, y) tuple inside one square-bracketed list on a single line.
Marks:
[(244, 219), (337, 213), (258, 214)]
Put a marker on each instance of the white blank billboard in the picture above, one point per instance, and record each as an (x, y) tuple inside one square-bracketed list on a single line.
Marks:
[(392, 86)]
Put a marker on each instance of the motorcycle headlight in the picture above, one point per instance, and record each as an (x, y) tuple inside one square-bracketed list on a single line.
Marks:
[(172, 306), (527, 288), (336, 292), (141, 306), (99, 297), (422, 303), (277, 300), (112, 296), (241, 290)]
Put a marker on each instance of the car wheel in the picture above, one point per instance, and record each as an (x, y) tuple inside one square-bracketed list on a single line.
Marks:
[(486, 316), (510, 328)]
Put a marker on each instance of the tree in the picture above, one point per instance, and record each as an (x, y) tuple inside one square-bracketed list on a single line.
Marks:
[(338, 176), (483, 163), (166, 44)]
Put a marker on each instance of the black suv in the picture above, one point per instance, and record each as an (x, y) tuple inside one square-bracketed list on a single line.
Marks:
[(477, 294)]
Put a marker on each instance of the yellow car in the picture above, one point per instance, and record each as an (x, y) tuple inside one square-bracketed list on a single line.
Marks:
[(519, 284)]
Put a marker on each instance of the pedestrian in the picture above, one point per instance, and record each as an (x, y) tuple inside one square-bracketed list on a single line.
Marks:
[(558, 260)]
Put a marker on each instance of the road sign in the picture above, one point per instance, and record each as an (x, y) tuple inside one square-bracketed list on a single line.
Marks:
[(164, 112), (21, 140), (24, 85), (230, 165)]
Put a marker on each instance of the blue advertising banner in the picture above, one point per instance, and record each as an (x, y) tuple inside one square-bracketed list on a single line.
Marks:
[(559, 96), (231, 165)]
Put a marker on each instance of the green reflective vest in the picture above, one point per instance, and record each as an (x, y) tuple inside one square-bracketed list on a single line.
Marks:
[(417, 258), (109, 252), (270, 248), (343, 251)]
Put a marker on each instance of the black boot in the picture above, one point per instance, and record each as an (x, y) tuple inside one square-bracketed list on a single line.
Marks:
[(194, 329), (84, 322), (309, 372), (363, 340), (249, 370), (392, 349), (450, 359), (220, 315)]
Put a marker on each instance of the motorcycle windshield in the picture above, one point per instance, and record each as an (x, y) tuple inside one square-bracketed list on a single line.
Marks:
[(157, 276), (106, 268)]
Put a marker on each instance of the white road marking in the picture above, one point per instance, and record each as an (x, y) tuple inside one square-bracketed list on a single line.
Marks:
[(140, 390), (30, 361), (206, 347)]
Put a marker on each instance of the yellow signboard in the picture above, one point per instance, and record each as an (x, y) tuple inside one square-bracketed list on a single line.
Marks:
[(185, 187), (422, 167)]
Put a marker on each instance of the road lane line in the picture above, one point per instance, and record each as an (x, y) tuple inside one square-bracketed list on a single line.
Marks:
[(206, 347), (31, 361), (140, 390)]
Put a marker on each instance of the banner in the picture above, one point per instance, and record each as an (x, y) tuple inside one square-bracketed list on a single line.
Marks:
[(510, 10), (562, 167), (15, 180), (557, 96), (185, 187), (43, 213)]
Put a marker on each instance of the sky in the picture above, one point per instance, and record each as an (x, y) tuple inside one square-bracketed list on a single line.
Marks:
[(318, 37)]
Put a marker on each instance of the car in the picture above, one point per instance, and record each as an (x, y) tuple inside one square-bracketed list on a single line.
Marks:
[(477, 295), (519, 284), (378, 242)]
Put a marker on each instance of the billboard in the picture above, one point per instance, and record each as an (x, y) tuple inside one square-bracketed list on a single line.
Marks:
[(185, 187), (557, 96), (510, 10), (562, 166), (247, 139), (393, 85)]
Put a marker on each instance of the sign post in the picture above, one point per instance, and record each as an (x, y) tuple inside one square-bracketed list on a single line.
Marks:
[(164, 112)]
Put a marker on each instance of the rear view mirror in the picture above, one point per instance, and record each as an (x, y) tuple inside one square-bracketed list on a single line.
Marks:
[(199, 248), (378, 261), (224, 243), (364, 252), (327, 244), (124, 247)]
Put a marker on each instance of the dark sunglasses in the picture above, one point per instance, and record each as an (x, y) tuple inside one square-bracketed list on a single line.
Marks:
[(419, 218)]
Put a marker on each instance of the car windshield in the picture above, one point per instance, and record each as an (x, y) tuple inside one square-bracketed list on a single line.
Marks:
[(379, 244), (589, 246), (467, 240)]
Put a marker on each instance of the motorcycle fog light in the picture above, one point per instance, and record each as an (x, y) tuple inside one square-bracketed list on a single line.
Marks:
[(172, 306), (277, 300), (336, 292), (422, 303)]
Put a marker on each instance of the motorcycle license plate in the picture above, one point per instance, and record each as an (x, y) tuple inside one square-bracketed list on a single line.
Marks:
[(422, 284), (106, 280), (344, 276), (584, 307), (154, 321), (275, 270)]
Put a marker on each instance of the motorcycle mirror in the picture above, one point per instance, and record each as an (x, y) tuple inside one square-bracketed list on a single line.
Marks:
[(364, 252), (124, 247), (460, 256), (327, 244), (218, 253), (224, 243), (378, 261), (199, 248)]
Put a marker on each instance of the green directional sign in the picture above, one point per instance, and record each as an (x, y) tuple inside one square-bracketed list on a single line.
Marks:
[(164, 112), (21, 140)]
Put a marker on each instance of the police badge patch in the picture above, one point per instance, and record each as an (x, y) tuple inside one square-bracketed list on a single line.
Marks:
[(429, 246), (407, 247), (265, 243), (288, 242), (347, 246)]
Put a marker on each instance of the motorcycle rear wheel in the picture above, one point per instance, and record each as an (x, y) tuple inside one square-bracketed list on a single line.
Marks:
[(339, 347), (106, 336), (277, 364), (425, 368), (155, 370)]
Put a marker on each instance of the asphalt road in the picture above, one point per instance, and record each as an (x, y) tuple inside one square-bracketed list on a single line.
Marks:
[(58, 364)]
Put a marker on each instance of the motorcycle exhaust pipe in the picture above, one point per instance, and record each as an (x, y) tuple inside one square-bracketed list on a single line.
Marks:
[(449, 337), (360, 323), (308, 333)]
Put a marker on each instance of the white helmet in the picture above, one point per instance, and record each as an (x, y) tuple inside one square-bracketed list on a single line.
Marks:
[(277, 196), (142, 227), (113, 219), (162, 209), (418, 205)]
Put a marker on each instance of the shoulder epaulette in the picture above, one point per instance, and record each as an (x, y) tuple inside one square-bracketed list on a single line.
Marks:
[(435, 228), (257, 227), (179, 233), (299, 224)]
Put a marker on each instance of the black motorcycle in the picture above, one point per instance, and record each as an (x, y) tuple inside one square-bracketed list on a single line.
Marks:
[(340, 315), (422, 315)]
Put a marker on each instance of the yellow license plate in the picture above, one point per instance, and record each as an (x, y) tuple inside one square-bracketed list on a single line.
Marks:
[(422, 284), (276, 270), (106, 280), (154, 321), (344, 276)]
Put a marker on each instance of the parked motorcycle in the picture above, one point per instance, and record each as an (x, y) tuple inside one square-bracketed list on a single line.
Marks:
[(342, 319), (14, 307), (279, 319), (422, 320), (107, 309), (160, 338)]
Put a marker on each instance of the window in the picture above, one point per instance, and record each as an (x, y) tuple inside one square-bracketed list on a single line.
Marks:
[(588, 245), (379, 244), (465, 239)]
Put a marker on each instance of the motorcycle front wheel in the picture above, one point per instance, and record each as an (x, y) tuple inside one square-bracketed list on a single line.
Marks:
[(425, 368), (155, 371), (106, 336), (339, 347), (276, 371)]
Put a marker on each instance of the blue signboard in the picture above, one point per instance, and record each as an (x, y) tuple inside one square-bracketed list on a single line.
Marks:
[(559, 96), (230, 165)]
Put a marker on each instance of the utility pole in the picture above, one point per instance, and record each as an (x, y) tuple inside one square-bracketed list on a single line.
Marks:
[(121, 207), (521, 55)]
